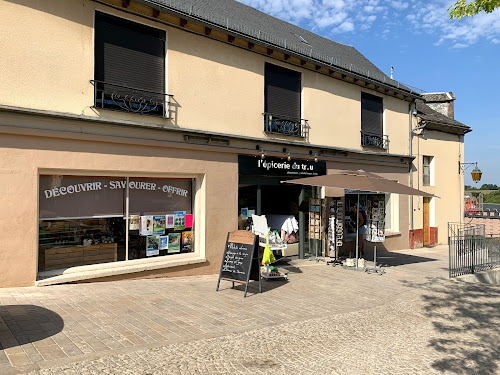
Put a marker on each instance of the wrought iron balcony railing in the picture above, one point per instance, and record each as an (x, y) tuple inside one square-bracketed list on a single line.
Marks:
[(285, 126), (128, 99), (374, 140)]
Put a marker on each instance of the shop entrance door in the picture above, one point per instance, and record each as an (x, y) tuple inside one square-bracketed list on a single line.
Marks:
[(427, 228), (268, 196)]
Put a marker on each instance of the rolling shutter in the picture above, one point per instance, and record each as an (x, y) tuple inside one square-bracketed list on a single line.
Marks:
[(282, 91), (128, 53), (371, 114)]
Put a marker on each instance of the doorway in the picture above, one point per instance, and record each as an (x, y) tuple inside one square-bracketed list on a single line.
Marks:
[(268, 196)]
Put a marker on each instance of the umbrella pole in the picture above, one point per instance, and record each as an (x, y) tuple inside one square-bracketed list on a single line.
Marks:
[(357, 232)]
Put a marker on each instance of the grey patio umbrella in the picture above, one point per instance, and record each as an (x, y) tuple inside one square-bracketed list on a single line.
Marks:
[(360, 181)]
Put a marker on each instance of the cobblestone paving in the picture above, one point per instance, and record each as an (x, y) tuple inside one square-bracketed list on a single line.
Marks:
[(325, 320)]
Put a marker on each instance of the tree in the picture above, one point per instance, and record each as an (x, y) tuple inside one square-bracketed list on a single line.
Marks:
[(461, 9), (489, 187)]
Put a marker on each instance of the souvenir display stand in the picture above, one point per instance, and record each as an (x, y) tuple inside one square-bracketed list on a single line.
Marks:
[(335, 229), (316, 225), (375, 227)]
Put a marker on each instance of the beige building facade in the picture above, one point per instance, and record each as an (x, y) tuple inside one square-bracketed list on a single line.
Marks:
[(86, 162)]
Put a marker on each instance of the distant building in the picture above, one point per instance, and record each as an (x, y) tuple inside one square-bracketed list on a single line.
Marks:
[(438, 148)]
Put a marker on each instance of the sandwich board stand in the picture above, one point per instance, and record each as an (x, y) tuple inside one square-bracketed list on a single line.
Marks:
[(240, 261)]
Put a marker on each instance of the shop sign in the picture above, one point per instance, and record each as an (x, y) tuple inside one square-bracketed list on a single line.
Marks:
[(88, 196), (256, 166), (57, 191), (240, 261)]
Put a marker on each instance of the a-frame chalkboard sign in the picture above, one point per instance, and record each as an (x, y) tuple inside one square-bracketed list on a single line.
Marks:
[(240, 262)]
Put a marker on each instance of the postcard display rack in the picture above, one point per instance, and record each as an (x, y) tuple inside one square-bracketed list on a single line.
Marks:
[(317, 218), (375, 220), (335, 227)]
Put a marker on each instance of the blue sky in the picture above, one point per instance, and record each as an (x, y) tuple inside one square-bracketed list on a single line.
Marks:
[(426, 49)]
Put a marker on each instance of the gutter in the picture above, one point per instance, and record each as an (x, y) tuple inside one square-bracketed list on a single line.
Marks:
[(410, 113)]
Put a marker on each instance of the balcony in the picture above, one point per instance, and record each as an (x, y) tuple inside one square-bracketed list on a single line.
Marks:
[(374, 140), (128, 99), (274, 124)]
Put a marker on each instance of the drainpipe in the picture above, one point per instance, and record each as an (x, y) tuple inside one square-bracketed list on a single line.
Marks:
[(410, 116)]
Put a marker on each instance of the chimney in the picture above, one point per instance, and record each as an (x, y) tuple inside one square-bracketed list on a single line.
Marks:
[(442, 102)]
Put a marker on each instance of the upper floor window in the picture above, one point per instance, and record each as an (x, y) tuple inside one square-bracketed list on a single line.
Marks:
[(427, 170), (372, 131), (129, 69), (282, 102)]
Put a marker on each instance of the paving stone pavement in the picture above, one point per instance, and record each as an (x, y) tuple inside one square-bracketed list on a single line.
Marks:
[(324, 320)]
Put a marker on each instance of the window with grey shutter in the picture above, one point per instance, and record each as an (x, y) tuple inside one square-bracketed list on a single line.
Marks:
[(371, 114), (129, 65), (282, 92), (372, 109)]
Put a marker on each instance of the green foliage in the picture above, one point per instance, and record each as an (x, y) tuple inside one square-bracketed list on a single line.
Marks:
[(489, 187), (468, 188), (462, 9), (493, 197)]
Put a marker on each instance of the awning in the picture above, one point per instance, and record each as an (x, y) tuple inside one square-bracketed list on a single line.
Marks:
[(359, 180)]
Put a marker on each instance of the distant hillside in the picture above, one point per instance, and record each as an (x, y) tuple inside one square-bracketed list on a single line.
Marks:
[(481, 191), (493, 197)]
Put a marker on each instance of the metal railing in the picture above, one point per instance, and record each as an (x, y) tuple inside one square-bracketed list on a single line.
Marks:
[(374, 140), (129, 99), (470, 250), (282, 125)]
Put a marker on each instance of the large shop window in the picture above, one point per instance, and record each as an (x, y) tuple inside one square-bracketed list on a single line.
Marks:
[(129, 66), (83, 220), (372, 134)]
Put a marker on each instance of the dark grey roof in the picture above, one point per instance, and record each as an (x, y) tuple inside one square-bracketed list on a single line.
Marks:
[(251, 23), (438, 97), (439, 121), (491, 206)]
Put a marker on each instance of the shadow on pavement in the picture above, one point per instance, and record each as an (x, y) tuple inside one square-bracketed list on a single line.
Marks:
[(288, 264), (466, 318), (23, 324), (393, 259), (253, 286)]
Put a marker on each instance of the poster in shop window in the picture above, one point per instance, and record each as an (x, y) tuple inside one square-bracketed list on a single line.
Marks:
[(174, 243), (189, 220), (158, 224), (152, 246), (146, 225), (133, 222), (169, 221), (179, 220), (187, 241), (163, 242)]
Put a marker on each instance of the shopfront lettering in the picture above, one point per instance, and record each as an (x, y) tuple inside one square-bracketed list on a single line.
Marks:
[(273, 165), (175, 190), (77, 188), (58, 191), (270, 166)]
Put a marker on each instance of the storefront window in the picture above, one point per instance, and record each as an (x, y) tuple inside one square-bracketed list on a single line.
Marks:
[(161, 217), (83, 220)]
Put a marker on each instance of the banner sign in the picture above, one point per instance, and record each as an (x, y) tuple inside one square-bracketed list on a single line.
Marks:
[(256, 166)]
